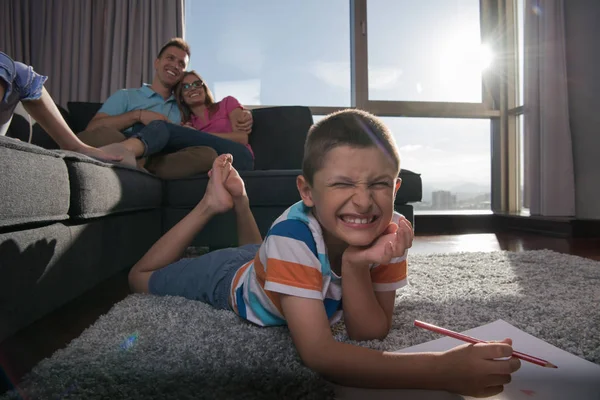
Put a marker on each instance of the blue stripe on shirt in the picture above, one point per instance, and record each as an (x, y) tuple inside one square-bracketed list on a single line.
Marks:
[(241, 306), (265, 316), (297, 230), (331, 306), (299, 212)]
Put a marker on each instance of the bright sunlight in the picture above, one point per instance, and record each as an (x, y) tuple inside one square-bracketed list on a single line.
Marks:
[(463, 56)]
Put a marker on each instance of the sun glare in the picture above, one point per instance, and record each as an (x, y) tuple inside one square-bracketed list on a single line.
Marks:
[(462, 56), (486, 57)]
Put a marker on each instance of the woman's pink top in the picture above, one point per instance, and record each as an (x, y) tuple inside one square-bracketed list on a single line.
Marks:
[(219, 122)]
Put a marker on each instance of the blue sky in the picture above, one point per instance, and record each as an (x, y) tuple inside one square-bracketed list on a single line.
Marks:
[(297, 52)]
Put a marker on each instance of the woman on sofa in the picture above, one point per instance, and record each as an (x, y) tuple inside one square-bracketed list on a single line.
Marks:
[(225, 119)]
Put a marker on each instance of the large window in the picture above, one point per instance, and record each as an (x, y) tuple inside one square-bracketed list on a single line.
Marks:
[(425, 50), (423, 66), (453, 158), (266, 52)]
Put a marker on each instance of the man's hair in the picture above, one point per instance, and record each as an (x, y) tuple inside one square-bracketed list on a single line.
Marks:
[(175, 42), (351, 127)]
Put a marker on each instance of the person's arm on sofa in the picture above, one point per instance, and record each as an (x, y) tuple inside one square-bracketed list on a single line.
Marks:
[(19, 78), (241, 120), (45, 112)]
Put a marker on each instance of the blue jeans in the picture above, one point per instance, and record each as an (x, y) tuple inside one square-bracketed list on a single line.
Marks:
[(206, 278), (162, 136)]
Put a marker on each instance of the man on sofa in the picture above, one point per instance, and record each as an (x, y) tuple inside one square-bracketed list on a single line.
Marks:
[(130, 110)]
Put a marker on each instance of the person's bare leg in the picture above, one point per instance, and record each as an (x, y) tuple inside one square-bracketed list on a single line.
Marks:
[(247, 229), (172, 244)]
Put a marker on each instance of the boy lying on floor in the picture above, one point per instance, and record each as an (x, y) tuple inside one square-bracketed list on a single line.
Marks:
[(344, 227)]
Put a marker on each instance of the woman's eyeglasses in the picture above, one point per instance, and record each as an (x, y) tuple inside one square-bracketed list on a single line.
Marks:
[(195, 84)]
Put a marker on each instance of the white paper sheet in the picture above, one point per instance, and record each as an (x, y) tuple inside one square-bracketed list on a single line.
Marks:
[(575, 378)]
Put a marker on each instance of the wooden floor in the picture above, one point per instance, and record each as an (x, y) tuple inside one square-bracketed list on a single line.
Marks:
[(21, 352)]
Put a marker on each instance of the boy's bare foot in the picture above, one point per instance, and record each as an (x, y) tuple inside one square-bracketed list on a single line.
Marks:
[(217, 197), (234, 184)]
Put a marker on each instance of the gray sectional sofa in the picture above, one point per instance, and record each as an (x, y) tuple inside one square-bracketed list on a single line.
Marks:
[(68, 222)]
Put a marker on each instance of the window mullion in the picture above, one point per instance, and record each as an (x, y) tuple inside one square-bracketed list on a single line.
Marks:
[(359, 70)]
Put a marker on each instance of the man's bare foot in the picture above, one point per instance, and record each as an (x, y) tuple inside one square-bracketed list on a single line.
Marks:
[(118, 149), (217, 198)]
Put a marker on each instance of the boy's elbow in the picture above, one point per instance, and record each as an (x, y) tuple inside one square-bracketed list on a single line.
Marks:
[(317, 359)]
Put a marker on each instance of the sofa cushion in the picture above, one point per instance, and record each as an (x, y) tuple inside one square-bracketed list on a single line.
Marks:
[(34, 186), (272, 188), (278, 135), (81, 113), (99, 188), (411, 190), (264, 188)]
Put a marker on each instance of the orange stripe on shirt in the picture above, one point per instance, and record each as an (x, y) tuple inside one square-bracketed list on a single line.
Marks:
[(259, 271), (389, 273), (293, 274)]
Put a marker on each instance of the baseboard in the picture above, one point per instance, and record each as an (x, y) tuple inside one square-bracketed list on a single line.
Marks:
[(549, 226), (433, 224), (586, 228)]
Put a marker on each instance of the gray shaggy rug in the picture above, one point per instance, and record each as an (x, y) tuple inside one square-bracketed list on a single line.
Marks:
[(149, 347)]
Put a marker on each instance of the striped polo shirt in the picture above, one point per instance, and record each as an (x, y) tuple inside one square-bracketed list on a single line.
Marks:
[(293, 260)]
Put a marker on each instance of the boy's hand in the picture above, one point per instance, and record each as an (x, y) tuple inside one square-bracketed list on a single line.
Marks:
[(471, 369), (392, 243)]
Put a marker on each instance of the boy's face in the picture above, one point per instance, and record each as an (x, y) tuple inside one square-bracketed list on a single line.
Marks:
[(352, 195)]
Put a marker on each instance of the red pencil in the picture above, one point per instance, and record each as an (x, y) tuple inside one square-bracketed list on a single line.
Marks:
[(469, 339)]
